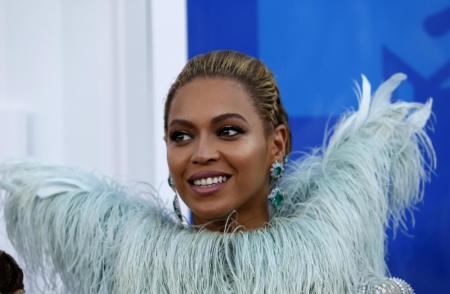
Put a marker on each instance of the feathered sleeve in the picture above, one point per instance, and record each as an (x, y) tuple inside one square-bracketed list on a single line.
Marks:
[(69, 224), (370, 171)]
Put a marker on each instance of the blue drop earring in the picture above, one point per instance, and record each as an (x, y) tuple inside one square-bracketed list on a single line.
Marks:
[(276, 195), (176, 202)]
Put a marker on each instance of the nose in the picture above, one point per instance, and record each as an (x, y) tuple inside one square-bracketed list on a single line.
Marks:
[(205, 151)]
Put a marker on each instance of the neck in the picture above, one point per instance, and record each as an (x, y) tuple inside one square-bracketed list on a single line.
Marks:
[(244, 219)]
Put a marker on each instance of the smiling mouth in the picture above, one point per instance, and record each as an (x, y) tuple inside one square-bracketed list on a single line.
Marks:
[(209, 181), (208, 184)]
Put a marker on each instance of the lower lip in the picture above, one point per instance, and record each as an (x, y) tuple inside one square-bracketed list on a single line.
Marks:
[(209, 189)]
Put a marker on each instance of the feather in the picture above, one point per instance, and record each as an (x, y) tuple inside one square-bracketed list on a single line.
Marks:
[(98, 236), (384, 92)]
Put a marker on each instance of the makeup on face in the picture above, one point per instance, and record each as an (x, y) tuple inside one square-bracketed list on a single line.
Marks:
[(218, 151), (208, 182)]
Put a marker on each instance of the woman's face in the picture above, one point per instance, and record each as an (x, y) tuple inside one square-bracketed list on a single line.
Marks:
[(218, 152)]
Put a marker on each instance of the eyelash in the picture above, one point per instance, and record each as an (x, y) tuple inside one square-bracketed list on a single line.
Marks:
[(236, 129), (175, 136), (180, 136)]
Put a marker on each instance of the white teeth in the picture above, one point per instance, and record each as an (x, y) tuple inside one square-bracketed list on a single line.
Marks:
[(210, 181)]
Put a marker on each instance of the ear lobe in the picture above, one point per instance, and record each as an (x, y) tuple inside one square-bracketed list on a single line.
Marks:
[(279, 142)]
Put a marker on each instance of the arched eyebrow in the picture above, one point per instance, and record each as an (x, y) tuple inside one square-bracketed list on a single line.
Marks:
[(225, 116), (182, 122), (215, 120)]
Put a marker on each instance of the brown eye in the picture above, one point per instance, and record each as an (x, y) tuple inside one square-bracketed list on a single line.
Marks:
[(179, 137), (229, 131)]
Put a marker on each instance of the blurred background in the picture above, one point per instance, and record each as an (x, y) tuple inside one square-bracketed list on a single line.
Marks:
[(83, 83)]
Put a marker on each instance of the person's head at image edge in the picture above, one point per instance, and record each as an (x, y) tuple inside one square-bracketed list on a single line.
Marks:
[(224, 120), (11, 275)]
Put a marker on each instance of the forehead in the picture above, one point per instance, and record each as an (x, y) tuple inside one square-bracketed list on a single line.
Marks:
[(205, 98)]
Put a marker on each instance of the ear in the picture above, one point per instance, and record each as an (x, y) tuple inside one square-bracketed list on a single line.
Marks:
[(279, 143)]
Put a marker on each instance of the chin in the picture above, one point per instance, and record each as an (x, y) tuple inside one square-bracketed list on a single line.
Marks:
[(218, 213)]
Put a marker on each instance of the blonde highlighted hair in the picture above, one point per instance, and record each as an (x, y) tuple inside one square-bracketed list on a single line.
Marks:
[(250, 72)]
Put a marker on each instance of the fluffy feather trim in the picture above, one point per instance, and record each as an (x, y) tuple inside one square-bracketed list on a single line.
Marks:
[(328, 237)]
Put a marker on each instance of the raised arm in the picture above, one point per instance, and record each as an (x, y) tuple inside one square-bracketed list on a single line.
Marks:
[(371, 170), (70, 223)]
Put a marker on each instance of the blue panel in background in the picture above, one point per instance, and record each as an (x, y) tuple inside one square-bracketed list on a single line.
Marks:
[(309, 133), (316, 48), (429, 254), (222, 24)]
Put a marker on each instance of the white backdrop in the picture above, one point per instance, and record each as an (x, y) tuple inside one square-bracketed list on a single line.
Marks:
[(83, 83)]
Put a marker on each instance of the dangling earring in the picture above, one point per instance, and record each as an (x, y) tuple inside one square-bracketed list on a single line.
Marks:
[(276, 195), (176, 202)]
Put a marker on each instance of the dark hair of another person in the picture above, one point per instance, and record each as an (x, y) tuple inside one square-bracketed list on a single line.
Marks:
[(11, 276)]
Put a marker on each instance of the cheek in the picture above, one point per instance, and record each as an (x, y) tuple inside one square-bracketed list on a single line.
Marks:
[(177, 159), (249, 159)]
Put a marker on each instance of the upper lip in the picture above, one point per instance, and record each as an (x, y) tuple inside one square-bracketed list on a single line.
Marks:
[(207, 174)]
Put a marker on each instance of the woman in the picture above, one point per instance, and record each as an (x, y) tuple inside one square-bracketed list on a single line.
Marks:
[(232, 143), (318, 229)]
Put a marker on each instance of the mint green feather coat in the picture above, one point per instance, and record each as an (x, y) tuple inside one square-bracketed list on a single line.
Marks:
[(98, 236)]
